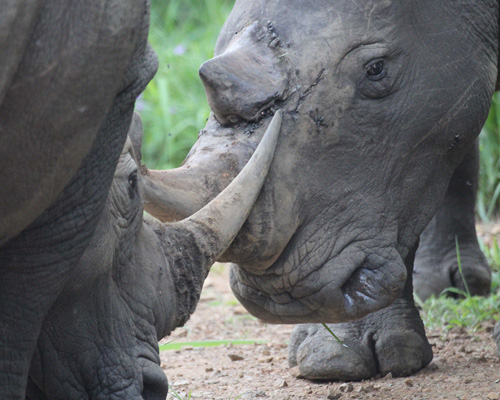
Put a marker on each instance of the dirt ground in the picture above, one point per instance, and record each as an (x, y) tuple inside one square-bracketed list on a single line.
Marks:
[(465, 366)]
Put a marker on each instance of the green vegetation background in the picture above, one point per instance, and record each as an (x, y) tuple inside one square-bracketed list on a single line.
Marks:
[(173, 107)]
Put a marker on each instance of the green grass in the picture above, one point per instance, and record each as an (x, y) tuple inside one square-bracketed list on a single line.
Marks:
[(209, 343), (492, 253), (488, 202), (173, 394), (466, 312), (173, 107), (470, 313)]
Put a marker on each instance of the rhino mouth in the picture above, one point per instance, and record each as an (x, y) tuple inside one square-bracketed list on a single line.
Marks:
[(345, 288), (154, 381)]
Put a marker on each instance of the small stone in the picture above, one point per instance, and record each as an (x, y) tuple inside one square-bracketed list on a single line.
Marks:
[(388, 376), (493, 396), (295, 372), (209, 369), (408, 382), (281, 384), (240, 310), (235, 357), (333, 394), (163, 365), (346, 387), (369, 388), (433, 366), (265, 359), (467, 381)]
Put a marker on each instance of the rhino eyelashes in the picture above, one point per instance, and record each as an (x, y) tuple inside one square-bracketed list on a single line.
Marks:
[(375, 70)]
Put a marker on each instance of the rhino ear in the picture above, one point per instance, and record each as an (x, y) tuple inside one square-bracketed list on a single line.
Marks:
[(135, 135)]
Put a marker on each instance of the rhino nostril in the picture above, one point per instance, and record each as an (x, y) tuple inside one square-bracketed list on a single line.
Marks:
[(238, 87), (155, 383), (244, 80)]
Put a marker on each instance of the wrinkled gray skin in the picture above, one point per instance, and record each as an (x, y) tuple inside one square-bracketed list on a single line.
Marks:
[(383, 101), (137, 281), (67, 91), (87, 285)]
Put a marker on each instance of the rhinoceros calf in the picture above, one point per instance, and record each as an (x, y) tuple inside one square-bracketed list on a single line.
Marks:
[(137, 280), (87, 285), (383, 101)]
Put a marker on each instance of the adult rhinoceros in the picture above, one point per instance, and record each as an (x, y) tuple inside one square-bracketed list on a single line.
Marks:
[(87, 286), (383, 101)]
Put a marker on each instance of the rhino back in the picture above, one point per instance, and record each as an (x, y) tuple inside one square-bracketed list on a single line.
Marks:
[(66, 62)]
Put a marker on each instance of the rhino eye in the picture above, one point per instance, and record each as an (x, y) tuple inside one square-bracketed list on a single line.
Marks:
[(132, 184), (375, 70)]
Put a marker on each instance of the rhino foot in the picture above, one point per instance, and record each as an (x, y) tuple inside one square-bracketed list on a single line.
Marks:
[(391, 340), (437, 270)]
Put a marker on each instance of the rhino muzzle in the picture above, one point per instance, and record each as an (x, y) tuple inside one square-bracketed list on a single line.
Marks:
[(244, 80)]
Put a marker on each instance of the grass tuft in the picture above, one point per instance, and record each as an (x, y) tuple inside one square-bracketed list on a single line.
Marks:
[(470, 313), (173, 394)]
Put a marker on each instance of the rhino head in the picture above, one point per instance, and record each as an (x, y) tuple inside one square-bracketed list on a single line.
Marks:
[(137, 281), (380, 103)]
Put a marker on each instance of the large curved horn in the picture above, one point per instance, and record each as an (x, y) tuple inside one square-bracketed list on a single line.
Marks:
[(216, 225), (193, 245), (172, 195)]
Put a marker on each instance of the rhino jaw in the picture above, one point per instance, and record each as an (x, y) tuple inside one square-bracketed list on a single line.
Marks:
[(343, 289)]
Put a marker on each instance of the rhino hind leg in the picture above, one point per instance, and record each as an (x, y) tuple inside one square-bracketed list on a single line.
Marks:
[(391, 340), (436, 265)]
